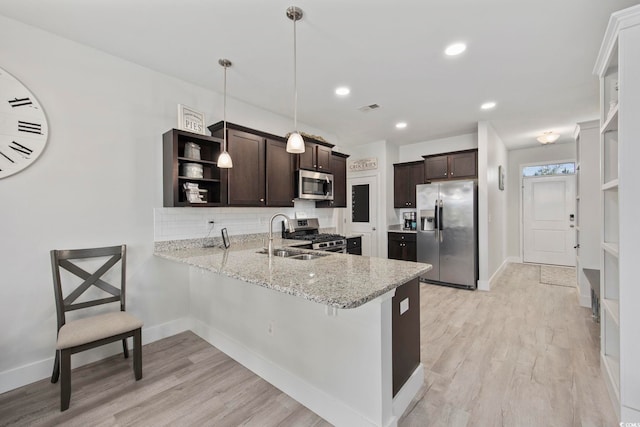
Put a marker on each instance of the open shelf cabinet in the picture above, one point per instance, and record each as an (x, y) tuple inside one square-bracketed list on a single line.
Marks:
[(175, 161), (618, 67)]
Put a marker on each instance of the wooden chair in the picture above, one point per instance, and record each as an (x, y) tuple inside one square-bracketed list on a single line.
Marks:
[(93, 331)]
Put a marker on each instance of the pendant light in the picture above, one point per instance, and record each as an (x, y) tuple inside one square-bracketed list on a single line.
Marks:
[(295, 143), (224, 160)]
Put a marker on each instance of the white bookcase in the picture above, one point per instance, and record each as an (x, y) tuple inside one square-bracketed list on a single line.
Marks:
[(587, 224), (618, 66)]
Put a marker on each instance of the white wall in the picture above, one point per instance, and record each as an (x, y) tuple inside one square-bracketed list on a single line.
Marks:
[(539, 154), (412, 152), (492, 205), (97, 183)]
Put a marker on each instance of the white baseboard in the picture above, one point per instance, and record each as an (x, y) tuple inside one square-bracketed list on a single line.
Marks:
[(483, 285), (408, 391), (332, 410), (37, 371)]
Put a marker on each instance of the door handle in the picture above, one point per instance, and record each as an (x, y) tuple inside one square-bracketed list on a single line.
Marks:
[(373, 228), (435, 225), (440, 221)]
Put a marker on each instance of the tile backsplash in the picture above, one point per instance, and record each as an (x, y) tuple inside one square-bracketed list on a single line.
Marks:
[(193, 223)]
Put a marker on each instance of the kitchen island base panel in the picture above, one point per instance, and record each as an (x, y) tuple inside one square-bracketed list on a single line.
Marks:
[(338, 366)]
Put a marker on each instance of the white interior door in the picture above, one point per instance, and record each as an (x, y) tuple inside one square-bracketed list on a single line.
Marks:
[(362, 201), (549, 220)]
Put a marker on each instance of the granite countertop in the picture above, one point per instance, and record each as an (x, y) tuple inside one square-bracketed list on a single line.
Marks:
[(336, 280), (397, 228)]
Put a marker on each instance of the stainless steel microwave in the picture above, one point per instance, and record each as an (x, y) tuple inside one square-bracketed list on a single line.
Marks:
[(314, 185)]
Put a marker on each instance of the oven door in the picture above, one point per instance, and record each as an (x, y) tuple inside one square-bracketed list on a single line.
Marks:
[(315, 185)]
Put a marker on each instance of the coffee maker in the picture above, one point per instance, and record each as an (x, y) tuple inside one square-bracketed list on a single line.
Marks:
[(409, 221)]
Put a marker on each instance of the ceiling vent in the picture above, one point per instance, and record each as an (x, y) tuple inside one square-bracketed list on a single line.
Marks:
[(368, 108)]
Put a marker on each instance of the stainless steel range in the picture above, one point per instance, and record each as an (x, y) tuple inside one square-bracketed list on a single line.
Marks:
[(307, 229)]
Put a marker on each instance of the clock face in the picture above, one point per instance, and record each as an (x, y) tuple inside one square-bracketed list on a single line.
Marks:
[(23, 126)]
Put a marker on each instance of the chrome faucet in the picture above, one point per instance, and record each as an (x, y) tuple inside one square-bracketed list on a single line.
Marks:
[(289, 229)]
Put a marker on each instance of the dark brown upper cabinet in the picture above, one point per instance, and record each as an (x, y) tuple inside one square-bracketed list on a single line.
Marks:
[(280, 174), (405, 178), (262, 172), (455, 165), (339, 170), (316, 157)]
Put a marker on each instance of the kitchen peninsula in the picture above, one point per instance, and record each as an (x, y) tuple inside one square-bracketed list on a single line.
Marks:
[(339, 333)]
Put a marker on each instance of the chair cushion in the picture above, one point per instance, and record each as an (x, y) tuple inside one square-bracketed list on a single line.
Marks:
[(94, 328)]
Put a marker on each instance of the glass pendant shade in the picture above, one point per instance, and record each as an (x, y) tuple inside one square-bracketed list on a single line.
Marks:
[(224, 160), (295, 143)]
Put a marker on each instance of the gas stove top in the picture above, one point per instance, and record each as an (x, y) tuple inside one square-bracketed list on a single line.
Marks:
[(307, 229)]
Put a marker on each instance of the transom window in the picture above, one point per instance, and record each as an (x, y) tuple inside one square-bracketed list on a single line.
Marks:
[(550, 169)]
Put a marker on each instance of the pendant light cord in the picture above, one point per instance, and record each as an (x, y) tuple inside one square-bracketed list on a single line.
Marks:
[(224, 111), (295, 79)]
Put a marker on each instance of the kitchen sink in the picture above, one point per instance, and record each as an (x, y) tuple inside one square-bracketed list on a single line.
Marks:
[(307, 256), (285, 253)]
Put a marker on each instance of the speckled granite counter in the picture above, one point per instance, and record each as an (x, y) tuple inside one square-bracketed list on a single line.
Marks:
[(336, 280)]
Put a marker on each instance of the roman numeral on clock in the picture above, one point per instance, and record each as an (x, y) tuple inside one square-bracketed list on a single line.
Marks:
[(22, 150), (26, 151), (30, 127), (19, 102)]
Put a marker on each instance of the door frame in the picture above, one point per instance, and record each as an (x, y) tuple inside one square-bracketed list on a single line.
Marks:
[(376, 207), (521, 195)]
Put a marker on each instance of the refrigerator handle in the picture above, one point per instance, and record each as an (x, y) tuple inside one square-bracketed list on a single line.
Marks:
[(437, 222), (440, 221)]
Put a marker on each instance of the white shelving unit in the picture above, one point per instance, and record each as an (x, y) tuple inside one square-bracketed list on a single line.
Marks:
[(618, 66), (587, 224)]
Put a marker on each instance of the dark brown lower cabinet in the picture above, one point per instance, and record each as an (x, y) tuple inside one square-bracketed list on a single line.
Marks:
[(405, 330), (354, 245), (402, 246)]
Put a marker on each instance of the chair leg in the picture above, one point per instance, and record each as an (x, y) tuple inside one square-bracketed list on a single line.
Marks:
[(65, 381), (56, 368), (125, 348), (137, 353)]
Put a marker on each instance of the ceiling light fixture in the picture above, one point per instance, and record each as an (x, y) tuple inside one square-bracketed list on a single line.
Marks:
[(343, 91), (401, 125), (455, 49), (488, 105), (548, 138), (295, 143), (224, 160)]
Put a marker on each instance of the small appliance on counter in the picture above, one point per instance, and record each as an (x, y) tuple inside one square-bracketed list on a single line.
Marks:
[(409, 221)]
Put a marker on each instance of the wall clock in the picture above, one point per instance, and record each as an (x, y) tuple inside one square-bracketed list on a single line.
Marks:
[(23, 126)]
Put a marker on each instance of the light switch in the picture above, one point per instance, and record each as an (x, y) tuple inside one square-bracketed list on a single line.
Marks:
[(404, 306)]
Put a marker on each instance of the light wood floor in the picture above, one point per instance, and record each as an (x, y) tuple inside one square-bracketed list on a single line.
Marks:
[(523, 354)]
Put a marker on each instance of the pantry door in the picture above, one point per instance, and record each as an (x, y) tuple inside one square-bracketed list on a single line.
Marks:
[(362, 201), (549, 219)]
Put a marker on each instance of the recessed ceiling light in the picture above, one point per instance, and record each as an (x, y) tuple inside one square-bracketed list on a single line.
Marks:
[(455, 49), (488, 105), (401, 125), (343, 91)]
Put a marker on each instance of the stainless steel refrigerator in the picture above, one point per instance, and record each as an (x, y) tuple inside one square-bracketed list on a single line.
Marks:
[(447, 233)]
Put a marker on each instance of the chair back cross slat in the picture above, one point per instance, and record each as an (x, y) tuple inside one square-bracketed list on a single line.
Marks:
[(90, 279)]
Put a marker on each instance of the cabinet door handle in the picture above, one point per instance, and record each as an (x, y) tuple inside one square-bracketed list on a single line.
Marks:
[(262, 200), (320, 167), (451, 173), (445, 174)]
